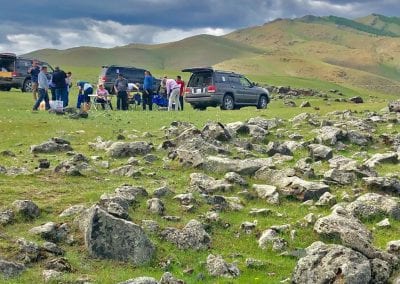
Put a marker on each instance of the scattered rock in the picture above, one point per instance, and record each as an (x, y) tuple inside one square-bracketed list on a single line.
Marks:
[(320, 152), (332, 264), (113, 238), (217, 266), (72, 211), (192, 236), (129, 149), (372, 205), (385, 223), (51, 275), (7, 217), (53, 145), (156, 206), (357, 100), (141, 280), (267, 192), (10, 269), (26, 208), (387, 184)]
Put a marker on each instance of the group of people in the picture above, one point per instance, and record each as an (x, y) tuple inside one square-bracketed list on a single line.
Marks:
[(60, 83)]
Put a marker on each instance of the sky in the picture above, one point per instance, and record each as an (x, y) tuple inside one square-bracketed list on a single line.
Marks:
[(28, 25)]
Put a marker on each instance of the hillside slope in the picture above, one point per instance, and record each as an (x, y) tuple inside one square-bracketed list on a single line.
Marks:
[(198, 50)]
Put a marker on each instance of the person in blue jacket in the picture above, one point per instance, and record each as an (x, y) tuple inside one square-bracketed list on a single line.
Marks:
[(147, 95)]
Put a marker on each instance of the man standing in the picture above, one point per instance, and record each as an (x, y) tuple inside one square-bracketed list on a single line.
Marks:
[(121, 89), (181, 83), (59, 81), (43, 87), (34, 71), (147, 90)]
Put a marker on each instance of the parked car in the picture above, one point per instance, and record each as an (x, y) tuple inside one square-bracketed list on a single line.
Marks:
[(109, 74), (14, 72), (229, 90)]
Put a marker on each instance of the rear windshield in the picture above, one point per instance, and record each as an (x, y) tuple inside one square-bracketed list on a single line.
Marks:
[(6, 64), (202, 79)]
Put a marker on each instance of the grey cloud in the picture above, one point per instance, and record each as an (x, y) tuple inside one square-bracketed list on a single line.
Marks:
[(110, 23)]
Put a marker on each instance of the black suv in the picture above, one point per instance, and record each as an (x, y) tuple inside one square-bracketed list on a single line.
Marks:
[(14, 72), (109, 74), (209, 87)]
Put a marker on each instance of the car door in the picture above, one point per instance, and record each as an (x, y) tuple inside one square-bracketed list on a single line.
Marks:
[(250, 95), (7, 67), (237, 88)]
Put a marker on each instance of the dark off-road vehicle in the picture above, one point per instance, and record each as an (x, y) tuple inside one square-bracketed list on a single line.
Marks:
[(14, 72), (109, 74), (229, 90)]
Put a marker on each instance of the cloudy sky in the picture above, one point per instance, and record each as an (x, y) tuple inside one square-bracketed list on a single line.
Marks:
[(28, 25)]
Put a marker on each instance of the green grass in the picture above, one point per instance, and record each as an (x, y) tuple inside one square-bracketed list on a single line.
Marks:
[(20, 128)]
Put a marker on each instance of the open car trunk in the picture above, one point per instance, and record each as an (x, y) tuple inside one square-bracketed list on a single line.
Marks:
[(7, 66)]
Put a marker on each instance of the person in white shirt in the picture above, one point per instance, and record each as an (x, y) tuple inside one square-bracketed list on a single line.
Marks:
[(173, 91)]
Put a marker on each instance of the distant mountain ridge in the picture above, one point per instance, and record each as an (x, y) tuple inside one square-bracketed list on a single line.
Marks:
[(364, 53)]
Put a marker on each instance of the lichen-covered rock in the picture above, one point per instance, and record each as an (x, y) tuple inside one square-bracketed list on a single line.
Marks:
[(332, 264), (302, 189), (27, 208), (387, 184), (390, 157), (109, 237), (7, 217), (330, 135), (192, 236), (217, 266), (129, 149), (216, 131), (339, 177), (393, 247), (156, 206), (267, 192), (141, 280), (320, 152), (51, 231), (350, 231), (244, 167), (371, 205), (205, 184), (53, 145), (10, 269), (235, 178)]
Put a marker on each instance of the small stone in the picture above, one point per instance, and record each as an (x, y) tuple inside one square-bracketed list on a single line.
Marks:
[(51, 275), (254, 263), (385, 223), (26, 208)]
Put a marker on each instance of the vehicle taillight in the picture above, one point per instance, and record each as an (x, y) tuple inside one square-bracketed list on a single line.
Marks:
[(104, 78), (211, 89), (14, 74), (188, 91)]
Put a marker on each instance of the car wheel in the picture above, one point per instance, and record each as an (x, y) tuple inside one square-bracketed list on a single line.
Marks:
[(27, 86), (262, 102), (228, 103)]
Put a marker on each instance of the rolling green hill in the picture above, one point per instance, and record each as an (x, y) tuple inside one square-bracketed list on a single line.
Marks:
[(194, 51), (363, 54), (382, 23)]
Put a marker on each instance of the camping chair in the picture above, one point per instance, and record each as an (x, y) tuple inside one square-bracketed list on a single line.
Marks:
[(135, 100)]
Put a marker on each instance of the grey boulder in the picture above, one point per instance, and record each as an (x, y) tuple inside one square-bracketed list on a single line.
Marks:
[(332, 264), (217, 266), (129, 149), (109, 237), (372, 205)]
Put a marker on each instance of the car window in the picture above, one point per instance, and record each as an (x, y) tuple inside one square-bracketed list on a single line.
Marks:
[(234, 80), (203, 79), (221, 78), (244, 82)]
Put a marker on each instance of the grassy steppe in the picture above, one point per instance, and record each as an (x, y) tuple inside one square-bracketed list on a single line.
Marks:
[(20, 128)]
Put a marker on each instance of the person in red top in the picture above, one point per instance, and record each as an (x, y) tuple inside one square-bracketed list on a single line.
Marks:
[(181, 83)]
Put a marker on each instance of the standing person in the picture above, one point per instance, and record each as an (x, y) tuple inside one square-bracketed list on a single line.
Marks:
[(147, 90), (59, 81), (181, 83), (43, 87), (121, 88), (68, 82), (84, 90), (34, 71), (173, 90)]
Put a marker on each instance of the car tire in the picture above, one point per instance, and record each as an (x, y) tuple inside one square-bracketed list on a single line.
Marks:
[(262, 102), (228, 103), (27, 86)]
